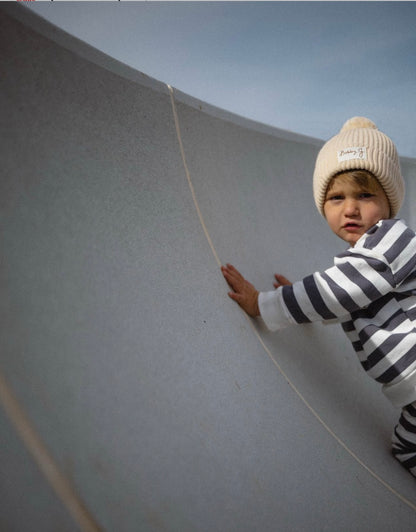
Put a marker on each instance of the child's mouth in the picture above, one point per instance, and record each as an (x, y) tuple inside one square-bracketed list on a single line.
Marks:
[(351, 226)]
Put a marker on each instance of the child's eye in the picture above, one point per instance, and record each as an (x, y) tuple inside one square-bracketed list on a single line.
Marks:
[(366, 195), (336, 197)]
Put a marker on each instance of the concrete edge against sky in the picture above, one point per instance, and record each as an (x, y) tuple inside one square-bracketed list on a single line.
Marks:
[(92, 54), (89, 52)]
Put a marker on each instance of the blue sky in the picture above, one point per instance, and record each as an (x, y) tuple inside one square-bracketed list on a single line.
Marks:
[(301, 66)]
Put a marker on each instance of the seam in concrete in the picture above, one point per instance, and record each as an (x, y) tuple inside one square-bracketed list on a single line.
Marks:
[(269, 353), (188, 177), (59, 483)]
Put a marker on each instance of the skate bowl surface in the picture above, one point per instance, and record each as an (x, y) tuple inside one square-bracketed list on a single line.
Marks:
[(136, 396)]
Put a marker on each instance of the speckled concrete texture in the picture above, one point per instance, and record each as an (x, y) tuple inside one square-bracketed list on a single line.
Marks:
[(159, 401)]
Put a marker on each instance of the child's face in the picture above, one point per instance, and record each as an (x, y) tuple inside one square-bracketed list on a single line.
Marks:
[(350, 209)]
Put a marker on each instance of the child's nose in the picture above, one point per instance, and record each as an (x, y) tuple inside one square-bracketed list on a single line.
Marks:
[(351, 207)]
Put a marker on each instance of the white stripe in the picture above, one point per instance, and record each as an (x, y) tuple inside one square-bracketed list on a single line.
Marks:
[(407, 286), (304, 302), (405, 255), (408, 436), (408, 371), (393, 356), (408, 304), (353, 290), (384, 314), (366, 270), (391, 237), (372, 275), (381, 335), (409, 418), (352, 336), (327, 295)]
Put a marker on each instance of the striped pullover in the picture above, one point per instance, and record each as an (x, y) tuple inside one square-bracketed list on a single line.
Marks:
[(371, 289)]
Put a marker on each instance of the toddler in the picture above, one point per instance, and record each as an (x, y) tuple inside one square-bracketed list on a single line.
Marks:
[(371, 288)]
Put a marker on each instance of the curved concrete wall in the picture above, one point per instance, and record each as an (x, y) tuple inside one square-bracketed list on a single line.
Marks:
[(136, 395)]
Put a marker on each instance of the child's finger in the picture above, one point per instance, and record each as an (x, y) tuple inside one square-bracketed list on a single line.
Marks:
[(226, 272), (229, 269), (231, 282), (232, 276), (281, 280), (233, 296), (234, 272)]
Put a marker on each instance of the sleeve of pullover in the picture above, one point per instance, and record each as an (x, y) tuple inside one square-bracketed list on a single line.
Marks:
[(380, 261)]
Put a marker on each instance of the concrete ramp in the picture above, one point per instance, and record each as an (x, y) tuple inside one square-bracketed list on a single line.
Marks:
[(136, 395)]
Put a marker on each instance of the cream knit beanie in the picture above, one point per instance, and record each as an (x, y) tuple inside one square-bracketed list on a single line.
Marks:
[(360, 146)]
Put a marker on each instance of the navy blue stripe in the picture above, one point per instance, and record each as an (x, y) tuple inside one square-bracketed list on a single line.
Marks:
[(392, 253), (400, 448), (395, 370), (404, 295), (379, 266), (384, 349), (293, 306), (357, 346), (394, 321), (406, 270), (377, 233), (316, 299), (411, 409), (373, 308), (389, 325), (348, 326), (356, 277), (342, 295), (407, 425), (410, 463), (412, 276)]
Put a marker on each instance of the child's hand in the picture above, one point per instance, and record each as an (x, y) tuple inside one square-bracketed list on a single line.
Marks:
[(281, 281), (244, 292)]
